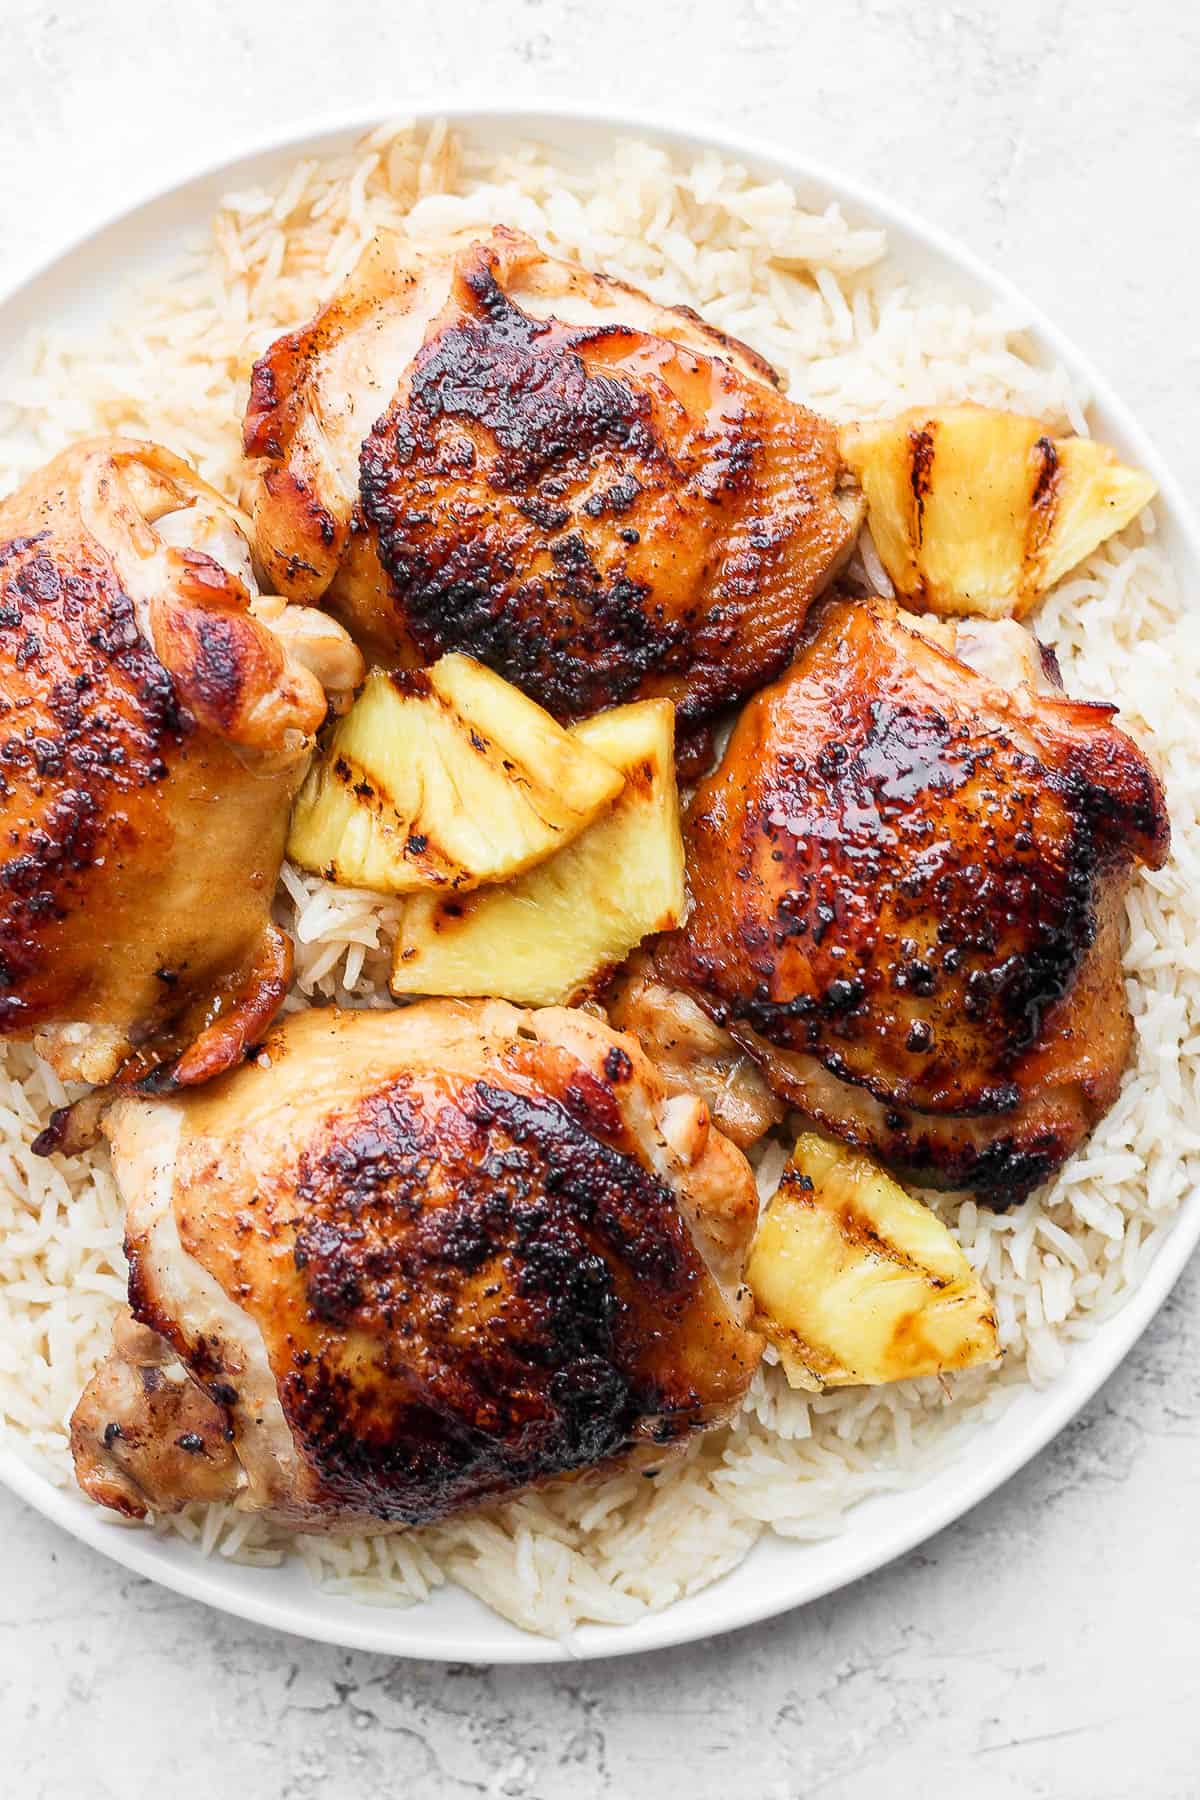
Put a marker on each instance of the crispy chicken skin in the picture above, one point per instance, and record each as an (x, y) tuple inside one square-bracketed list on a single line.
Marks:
[(907, 888), (423, 1258), (152, 735), (475, 447)]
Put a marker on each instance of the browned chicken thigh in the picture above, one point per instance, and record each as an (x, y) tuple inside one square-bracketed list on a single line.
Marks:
[(152, 735), (475, 447), (907, 886), (408, 1261)]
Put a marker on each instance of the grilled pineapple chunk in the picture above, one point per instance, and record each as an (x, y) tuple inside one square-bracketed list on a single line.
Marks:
[(855, 1281), (541, 938), (445, 777), (978, 511)]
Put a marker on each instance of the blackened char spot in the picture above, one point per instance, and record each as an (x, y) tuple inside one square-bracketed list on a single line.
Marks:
[(217, 673), (1045, 485), (39, 581), (326, 1254), (920, 472)]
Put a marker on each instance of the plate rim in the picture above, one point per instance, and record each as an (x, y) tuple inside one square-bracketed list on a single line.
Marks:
[(392, 1631)]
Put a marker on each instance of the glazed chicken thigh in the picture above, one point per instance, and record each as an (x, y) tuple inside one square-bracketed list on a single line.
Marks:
[(402, 1262), (907, 888), (476, 447), (153, 734)]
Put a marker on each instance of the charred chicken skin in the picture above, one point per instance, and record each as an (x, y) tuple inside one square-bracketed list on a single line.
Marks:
[(405, 1262), (907, 885), (479, 448), (152, 735)]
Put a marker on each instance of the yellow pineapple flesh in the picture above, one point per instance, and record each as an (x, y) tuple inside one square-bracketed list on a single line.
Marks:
[(542, 938), (978, 511), (1097, 495), (856, 1282), (445, 777)]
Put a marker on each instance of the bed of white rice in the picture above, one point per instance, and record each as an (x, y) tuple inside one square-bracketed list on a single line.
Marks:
[(816, 297)]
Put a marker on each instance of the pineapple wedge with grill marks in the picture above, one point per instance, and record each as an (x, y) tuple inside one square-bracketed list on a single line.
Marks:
[(541, 939), (444, 777), (978, 511), (856, 1283)]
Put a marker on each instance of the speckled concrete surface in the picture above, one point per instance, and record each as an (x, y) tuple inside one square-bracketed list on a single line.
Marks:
[(1050, 1643)]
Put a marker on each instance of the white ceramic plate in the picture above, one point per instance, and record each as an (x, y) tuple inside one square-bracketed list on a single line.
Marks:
[(76, 287)]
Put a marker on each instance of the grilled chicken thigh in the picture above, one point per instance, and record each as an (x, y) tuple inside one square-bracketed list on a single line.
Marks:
[(153, 734), (907, 886), (476, 447), (413, 1260)]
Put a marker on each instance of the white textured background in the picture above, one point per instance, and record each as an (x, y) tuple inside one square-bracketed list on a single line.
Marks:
[(1050, 1643)]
